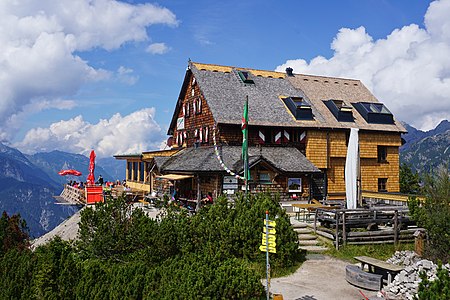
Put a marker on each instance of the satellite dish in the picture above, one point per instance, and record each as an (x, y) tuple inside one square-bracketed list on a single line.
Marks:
[(170, 141)]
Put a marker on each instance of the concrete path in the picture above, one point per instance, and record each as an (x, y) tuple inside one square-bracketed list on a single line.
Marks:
[(319, 278)]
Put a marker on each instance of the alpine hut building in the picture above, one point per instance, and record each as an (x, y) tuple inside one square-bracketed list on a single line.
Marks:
[(299, 127)]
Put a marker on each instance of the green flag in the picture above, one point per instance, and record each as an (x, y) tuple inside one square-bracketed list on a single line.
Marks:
[(244, 128)]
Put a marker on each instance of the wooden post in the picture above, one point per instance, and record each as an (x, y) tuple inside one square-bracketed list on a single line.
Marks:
[(344, 231), (315, 220), (395, 227), (337, 230), (197, 207)]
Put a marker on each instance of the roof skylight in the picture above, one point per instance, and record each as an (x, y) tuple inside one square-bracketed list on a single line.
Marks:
[(245, 77), (340, 110), (299, 107), (374, 112)]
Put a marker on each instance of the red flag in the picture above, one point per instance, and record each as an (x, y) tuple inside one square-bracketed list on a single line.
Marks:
[(91, 177)]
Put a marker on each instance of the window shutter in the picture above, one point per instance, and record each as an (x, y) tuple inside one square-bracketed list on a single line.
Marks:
[(184, 109), (262, 137), (199, 105), (286, 136), (188, 106), (302, 136), (206, 134), (201, 134), (195, 107), (278, 138), (196, 133)]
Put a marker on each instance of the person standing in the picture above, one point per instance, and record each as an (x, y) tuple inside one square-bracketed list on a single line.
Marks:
[(100, 180)]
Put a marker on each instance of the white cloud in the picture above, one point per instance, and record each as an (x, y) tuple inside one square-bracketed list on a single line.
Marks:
[(409, 70), (157, 48), (132, 133), (39, 41), (124, 75)]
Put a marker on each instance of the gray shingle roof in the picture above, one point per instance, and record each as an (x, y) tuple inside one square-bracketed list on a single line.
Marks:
[(225, 94), (203, 159), (160, 161)]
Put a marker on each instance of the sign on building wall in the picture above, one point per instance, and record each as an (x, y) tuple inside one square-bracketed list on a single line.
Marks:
[(229, 185), (180, 123), (295, 185)]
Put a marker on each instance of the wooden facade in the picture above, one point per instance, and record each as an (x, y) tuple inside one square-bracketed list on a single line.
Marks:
[(322, 140)]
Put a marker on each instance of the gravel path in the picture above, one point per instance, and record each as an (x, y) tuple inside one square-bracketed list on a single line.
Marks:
[(319, 278)]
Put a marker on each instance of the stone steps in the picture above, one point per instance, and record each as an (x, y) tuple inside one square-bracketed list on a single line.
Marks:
[(308, 242), (307, 237), (314, 248), (302, 230)]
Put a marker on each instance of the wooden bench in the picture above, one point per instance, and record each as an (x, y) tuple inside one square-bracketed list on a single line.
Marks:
[(376, 266), (358, 277)]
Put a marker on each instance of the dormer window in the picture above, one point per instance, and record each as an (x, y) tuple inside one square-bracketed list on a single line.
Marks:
[(299, 107), (245, 77), (342, 112), (374, 112)]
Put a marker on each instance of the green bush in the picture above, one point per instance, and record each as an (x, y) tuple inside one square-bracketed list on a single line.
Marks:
[(437, 289), (123, 254), (434, 214)]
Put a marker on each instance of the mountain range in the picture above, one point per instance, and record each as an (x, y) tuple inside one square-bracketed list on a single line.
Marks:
[(29, 182), (424, 151)]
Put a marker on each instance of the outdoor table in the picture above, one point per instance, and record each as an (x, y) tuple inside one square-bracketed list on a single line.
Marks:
[(377, 266)]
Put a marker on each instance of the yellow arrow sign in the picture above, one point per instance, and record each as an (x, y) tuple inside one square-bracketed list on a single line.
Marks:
[(270, 223), (271, 230), (271, 249), (271, 238), (271, 244)]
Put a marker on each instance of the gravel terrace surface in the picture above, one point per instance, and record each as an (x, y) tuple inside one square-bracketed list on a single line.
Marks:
[(319, 278)]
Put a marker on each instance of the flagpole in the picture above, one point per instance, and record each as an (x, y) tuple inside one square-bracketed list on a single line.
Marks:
[(245, 145)]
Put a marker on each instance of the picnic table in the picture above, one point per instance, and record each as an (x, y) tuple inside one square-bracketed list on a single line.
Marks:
[(304, 209), (376, 266)]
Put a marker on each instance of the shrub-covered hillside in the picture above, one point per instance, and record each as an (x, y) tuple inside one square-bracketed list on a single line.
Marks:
[(123, 254)]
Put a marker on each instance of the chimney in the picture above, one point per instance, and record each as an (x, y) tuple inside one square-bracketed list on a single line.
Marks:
[(289, 71)]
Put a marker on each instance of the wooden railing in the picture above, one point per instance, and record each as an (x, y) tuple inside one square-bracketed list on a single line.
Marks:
[(337, 225), (73, 195)]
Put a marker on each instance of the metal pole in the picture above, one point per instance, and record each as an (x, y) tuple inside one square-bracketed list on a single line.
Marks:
[(267, 256), (337, 230), (395, 227)]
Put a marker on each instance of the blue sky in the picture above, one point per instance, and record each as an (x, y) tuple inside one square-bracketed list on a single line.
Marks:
[(106, 75)]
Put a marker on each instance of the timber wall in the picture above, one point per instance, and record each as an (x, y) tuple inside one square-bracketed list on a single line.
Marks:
[(328, 150), (193, 121)]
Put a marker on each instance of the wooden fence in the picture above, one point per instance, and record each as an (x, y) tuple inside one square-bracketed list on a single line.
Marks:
[(337, 225)]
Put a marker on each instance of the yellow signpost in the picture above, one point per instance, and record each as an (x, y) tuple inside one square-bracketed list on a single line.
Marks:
[(268, 244)]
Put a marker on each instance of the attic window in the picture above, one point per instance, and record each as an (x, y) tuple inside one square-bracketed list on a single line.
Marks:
[(342, 112), (299, 107), (376, 113), (245, 77)]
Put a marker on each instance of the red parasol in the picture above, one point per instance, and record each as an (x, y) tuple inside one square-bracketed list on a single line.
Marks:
[(69, 172), (91, 177)]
